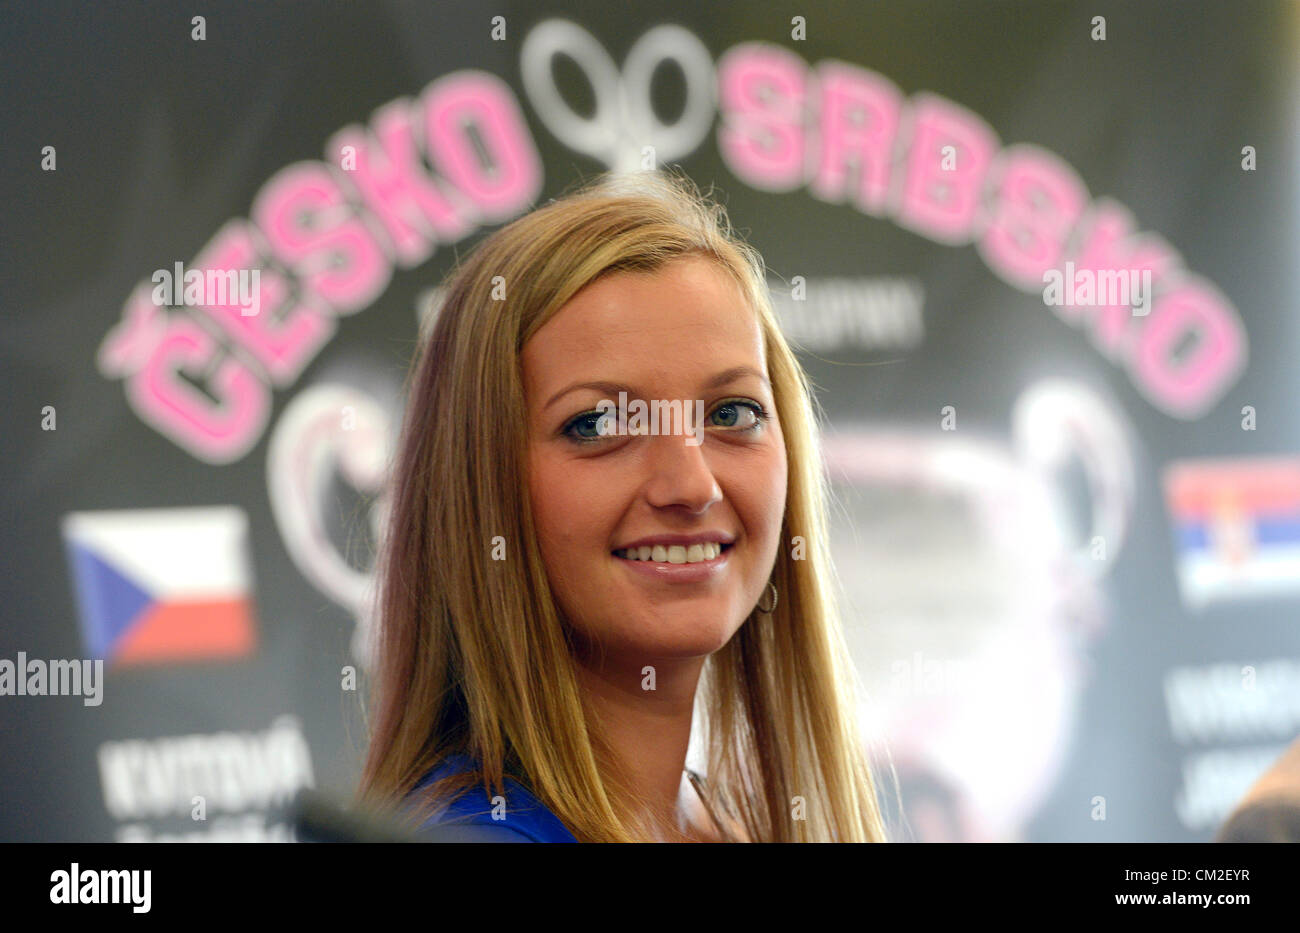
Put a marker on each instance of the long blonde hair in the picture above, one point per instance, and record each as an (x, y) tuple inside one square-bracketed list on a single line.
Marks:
[(473, 655)]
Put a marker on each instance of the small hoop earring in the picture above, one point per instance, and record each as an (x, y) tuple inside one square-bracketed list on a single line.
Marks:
[(767, 610)]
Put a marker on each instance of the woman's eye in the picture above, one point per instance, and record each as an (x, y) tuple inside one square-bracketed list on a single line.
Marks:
[(739, 416), (591, 426), (588, 426)]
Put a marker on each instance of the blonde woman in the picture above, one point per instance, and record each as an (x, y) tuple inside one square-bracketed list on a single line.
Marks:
[(560, 580)]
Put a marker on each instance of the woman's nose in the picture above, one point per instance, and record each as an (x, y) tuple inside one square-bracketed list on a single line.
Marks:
[(679, 474)]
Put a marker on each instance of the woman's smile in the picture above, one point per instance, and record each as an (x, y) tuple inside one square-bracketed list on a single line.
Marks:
[(677, 558)]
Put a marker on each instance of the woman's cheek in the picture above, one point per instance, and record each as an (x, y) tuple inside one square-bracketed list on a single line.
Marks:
[(569, 512), (770, 469), (543, 491), (774, 500)]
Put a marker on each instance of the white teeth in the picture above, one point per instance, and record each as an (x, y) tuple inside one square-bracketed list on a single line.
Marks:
[(673, 554)]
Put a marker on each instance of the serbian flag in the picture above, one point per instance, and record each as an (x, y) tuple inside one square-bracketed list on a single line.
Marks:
[(1237, 527), (161, 585)]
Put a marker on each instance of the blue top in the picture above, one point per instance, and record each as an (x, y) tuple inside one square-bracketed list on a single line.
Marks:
[(469, 817)]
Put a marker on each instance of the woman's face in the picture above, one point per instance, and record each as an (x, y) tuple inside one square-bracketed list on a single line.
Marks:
[(681, 334)]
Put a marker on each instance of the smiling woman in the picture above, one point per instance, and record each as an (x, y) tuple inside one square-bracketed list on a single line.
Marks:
[(559, 581)]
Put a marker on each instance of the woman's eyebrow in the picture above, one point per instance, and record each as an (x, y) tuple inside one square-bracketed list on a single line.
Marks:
[(736, 372), (609, 388), (612, 389)]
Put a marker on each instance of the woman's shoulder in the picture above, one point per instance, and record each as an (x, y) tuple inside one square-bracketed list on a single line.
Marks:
[(472, 817)]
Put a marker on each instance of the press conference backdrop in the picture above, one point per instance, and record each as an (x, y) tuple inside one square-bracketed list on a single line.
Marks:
[(1038, 258)]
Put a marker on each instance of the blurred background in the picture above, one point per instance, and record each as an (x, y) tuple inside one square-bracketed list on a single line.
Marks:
[(1066, 525)]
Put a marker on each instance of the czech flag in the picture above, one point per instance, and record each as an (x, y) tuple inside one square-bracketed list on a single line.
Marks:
[(1237, 527), (161, 585)]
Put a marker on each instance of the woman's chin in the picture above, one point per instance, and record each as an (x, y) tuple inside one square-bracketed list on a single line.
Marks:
[(677, 637), (639, 631)]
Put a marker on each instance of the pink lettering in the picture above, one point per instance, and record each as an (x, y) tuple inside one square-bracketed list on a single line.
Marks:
[(860, 113), (477, 100), (131, 342), (937, 201), (284, 343), (312, 228), (413, 207), (761, 98), (1106, 242), (216, 432), (1037, 200), (1187, 383)]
